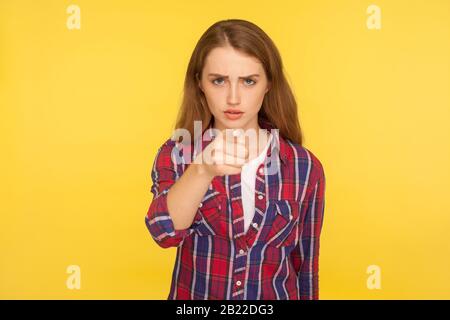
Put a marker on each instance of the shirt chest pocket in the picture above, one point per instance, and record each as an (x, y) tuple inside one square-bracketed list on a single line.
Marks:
[(280, 225), (210, 219)]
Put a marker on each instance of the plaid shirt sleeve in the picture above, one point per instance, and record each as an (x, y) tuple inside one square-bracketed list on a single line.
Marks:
[(306, 254), (158, 220)]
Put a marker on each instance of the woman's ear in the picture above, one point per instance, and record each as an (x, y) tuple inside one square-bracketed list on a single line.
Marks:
[(269, 85)]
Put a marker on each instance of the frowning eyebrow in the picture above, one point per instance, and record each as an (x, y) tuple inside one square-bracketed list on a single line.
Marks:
[(224, 76)]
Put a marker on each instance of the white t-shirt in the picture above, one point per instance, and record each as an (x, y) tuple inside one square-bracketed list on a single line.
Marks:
[(248, 177)]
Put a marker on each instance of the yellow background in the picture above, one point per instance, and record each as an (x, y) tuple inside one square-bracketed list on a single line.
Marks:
[(84, 111)]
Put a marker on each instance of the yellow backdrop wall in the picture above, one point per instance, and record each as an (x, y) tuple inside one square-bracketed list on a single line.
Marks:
[(83, 111)]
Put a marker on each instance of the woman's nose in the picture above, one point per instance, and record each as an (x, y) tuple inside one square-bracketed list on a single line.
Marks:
[(233, 94)]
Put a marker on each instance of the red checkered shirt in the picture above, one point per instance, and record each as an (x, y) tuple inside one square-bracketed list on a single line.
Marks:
[(277, 258)]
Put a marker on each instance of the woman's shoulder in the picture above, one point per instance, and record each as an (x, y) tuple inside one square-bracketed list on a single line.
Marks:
[(306, 160), (173, 152), (164, 153), (167, 144)]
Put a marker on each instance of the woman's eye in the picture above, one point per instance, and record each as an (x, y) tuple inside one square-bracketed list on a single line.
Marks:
[(253, 82), (218, 79)]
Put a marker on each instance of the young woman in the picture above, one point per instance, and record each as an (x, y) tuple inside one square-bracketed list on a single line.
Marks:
[(246, 224)]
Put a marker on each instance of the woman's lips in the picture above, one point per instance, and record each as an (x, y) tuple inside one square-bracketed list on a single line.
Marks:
[(233, 115)]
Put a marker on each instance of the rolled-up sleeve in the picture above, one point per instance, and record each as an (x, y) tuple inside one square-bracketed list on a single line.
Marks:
[(158, 220)]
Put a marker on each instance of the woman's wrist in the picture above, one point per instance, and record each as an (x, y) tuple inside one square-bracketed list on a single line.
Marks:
[(202, 172)]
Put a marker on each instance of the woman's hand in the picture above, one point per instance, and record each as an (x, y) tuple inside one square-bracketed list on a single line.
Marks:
[(225, 155)]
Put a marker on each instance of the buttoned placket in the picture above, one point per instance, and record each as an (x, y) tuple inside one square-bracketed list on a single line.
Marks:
[(245, 240)]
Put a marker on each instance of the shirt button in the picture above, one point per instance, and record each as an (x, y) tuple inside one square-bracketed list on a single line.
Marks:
[(261, 171), (238, 283), (241, 251), (200, 205), (255, 225), (260, 196)]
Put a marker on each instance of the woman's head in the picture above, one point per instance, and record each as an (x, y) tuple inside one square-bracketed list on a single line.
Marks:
[(235, 65), (234, 81)]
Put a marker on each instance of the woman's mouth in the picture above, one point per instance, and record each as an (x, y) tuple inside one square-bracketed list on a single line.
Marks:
[(233, 114)]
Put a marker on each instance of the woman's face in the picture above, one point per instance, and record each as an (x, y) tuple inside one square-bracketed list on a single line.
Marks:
[(233, 80)]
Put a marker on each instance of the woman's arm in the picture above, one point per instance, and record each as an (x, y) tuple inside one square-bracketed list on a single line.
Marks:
[(310, 244), (171, 214), (186, 194), (305, 256)]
